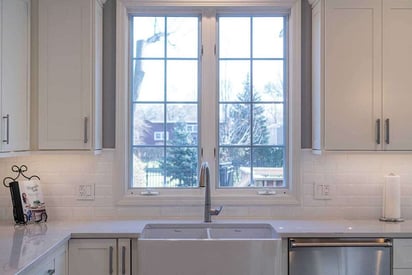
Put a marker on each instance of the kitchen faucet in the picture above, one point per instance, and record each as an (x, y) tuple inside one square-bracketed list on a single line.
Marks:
[(204, 181)]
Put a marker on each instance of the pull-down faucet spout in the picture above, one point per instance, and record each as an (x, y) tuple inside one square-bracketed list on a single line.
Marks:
[(204, 181)]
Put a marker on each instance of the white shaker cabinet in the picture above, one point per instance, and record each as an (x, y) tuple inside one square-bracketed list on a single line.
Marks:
[(70, 74), (14, 75), (100, 256), (397, 74), (361, 50)]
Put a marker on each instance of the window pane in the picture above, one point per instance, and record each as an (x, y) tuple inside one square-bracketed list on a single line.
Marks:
[(234, 80), (182, 38), (148, 80), (182, 80), (147, 119), (234, 126), (251, 130), (234, 37), (268, 156), (268, 36), (234, 167), (148, 37), (268, 80), (268, 124), (181, 166), (147, 172), (179, 118), (165, 102), (268, 166)]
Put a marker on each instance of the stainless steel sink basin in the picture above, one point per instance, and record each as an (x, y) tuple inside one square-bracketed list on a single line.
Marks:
[(208, 231)]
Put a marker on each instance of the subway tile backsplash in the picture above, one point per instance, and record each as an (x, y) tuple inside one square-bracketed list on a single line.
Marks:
[(356, 181)]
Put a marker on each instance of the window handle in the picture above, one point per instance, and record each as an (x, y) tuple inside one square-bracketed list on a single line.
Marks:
[(149, 192), (266, 192)]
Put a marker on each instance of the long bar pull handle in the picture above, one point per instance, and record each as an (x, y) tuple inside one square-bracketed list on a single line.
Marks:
[(387, 243), (111, 260), (7, 118), (378, 131), (387, 131), (85, 134), (123, 260)]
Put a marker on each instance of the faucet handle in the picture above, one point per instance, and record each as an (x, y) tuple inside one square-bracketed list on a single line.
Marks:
[(216, 211)]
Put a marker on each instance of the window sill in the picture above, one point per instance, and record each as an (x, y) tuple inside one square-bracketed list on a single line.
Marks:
[(184, 200)]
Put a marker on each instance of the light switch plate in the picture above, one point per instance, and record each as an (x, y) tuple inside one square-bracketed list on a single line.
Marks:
[(85, 191)]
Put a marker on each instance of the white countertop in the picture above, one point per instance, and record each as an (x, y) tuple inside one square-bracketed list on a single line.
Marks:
[(22, 246)]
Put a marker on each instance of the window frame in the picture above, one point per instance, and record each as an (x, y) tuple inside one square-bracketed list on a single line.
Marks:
[(195, 196)]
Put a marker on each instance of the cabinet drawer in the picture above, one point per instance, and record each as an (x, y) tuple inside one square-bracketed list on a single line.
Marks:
[(55, 263), (402, 250)]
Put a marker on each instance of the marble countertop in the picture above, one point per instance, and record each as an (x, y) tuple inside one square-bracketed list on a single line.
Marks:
[(22, 246)]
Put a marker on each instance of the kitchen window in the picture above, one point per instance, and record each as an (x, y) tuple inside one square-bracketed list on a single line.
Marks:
[(217, 83)]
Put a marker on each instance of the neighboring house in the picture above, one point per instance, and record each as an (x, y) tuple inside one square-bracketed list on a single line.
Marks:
[(155, 133)]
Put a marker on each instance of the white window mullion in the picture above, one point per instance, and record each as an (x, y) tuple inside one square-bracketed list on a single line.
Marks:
[(208, 93)]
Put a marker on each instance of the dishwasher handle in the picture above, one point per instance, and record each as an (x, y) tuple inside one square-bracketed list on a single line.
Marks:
[(341, 243)]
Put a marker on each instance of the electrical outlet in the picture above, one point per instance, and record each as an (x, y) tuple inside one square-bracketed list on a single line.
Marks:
[(321, 191), (85, 192)]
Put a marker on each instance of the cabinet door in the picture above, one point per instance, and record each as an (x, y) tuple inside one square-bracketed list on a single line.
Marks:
[(65, 73), (352, 74), (15, 30), (92, 256), (397, 73), (124, 256)]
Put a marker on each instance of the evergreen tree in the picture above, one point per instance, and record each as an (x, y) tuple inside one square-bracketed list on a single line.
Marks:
[(181, 156), (241, 132)]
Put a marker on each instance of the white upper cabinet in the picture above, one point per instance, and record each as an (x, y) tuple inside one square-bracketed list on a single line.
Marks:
[(70, 74), (397, 74), (360, 75), (14, 76)]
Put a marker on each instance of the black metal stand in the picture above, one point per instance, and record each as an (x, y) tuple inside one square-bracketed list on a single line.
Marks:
[(20, 171), (12, 183)]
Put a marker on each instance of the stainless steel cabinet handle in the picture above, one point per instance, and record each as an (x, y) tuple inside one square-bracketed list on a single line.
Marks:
[(111, 259), (387, 131), (51, 271), (123, 260), (85, 136), (7, 118), (378, 131)]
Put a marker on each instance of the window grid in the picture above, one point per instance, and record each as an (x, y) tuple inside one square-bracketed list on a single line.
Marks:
[(222, 181), (165, 145)]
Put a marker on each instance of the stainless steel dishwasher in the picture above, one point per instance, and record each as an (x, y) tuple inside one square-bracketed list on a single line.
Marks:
[(340, 256)]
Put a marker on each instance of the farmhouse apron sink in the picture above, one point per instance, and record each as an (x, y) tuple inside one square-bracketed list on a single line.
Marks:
[(208, 249)]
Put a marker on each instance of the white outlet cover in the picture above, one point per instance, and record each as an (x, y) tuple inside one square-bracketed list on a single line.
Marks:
[(322, 191), (85, 191)]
